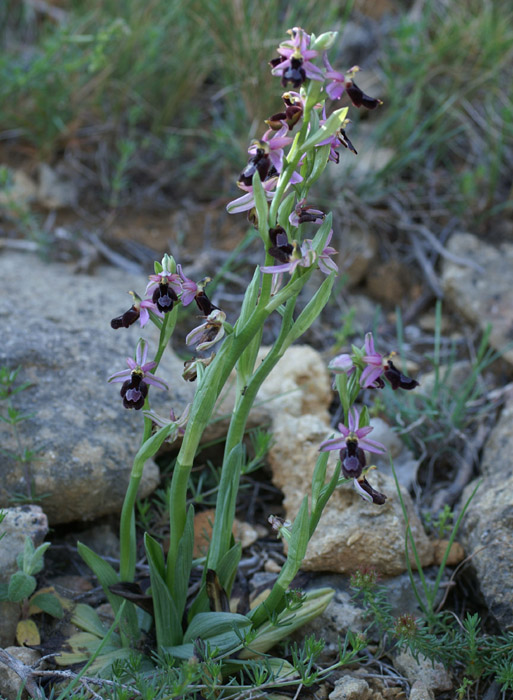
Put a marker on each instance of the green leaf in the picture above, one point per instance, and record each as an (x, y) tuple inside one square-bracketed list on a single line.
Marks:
[(149, 448), (107, 576), (48, 603), (180, 576), (102, 570), (35, 561), (319, 477), (299, 535), (218, 631), (285, 210), (270, 633), (227, 568), (262, 208), (364, 420), (85, 617), (246, 362), (209, 625), (225, 507), (331, 125), (21, 586), (320, 160), (324, 41), (290, 290), (167, 622)]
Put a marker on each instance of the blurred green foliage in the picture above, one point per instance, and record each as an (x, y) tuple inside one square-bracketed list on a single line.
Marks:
[(164, 93)]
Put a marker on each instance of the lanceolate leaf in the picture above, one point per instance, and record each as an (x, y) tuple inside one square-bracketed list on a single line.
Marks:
[(167, 622), (180, 576)]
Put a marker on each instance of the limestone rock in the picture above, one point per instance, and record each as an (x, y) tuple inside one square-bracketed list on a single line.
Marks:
[(19, 523), (498, 449), (55, 191), (350, 688), (10, 683), (486, 534), (432, 676), (57, 329), (298, 385), (487, 529), (456, 553), (419, 691), (351, 533), (484, 296), (357, 251)]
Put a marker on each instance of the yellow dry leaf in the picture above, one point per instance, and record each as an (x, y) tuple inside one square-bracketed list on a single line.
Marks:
[(27, 633)]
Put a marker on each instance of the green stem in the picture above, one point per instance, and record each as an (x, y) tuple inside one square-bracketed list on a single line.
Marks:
[(214, 380), (127, 534), (240, 417)]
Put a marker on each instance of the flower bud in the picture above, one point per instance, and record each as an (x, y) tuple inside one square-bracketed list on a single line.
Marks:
[(324, 41)]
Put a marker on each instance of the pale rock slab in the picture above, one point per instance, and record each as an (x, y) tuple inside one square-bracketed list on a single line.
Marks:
[(58, 331), (483, 295)]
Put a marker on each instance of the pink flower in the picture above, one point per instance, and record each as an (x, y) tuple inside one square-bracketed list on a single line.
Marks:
[(140, 309), (337, 84), (247, 201), (135, 389), (276, 142), (164, 288), (209, 332), (305, 256), (353, 434), (294, 64), (303, 214)]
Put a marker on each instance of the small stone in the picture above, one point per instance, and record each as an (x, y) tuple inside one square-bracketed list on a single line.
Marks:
[(18, 524), (55, 192), (419, 691), (272, 567), (19, 192), (390, 281), (480, 289), (350, 688), (357, 251), (10, 682), (203, 523), (432, 675), (456, 553)]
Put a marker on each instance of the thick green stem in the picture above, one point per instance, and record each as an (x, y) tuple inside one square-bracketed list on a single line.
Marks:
[(242, 409), (214, 380)]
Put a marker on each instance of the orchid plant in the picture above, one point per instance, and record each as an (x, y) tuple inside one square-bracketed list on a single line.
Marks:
[(282, 167)]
